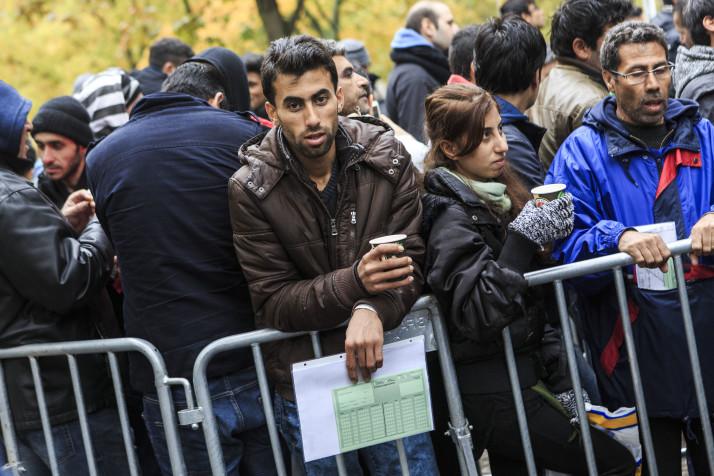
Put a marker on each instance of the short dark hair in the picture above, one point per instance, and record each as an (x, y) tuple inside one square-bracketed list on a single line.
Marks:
[(692, 16), (295, 55), (200, 80), (631, 32), (461, 51), (252, 62), (585, 19), (414, 18), (516, 7), (172, 50), (508, 53)]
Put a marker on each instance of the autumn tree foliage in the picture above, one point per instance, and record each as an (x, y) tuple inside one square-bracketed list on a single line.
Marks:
[(46, 44)]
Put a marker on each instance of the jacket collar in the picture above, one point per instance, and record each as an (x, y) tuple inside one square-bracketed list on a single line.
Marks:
[(511, 115), (509, 112), (268, 157), (457, 79), (681, 115), (593, 73), (441, 182), (159, 101)]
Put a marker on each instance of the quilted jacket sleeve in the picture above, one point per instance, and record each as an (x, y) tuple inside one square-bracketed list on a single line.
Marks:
[(484, 292)]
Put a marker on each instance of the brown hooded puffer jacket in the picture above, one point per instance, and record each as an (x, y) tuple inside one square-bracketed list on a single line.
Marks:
[(300, 262)]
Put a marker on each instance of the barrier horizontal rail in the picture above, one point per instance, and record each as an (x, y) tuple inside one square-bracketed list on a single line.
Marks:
[(594, 265), (613, 263), (434, 333), (110, 347)]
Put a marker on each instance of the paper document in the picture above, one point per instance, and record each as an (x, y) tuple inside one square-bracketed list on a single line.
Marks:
[(337, 416), (652, 278)]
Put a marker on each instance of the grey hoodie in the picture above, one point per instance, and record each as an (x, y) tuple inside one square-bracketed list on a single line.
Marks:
[(694, 77)]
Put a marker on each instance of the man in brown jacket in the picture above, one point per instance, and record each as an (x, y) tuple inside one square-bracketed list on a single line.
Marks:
[(311, 194)]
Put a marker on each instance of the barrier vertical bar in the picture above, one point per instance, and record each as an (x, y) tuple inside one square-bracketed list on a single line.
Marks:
[(82, 414), (42, 406), (518, 400), (268, 409), (8, 430), (403, 461), (643, 418), (317, 350), (123, 416), (694, 360), (459, 426), (210, 430), (168, 416), (575, 377)]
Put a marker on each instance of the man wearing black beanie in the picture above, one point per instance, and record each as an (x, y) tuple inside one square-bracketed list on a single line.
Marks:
[(53, 267), (62, 133)]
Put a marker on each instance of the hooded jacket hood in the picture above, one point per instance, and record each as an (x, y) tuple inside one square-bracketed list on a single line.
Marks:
[(408, 38), (13, 115), (232, 70), (681, 115), (691, 64)]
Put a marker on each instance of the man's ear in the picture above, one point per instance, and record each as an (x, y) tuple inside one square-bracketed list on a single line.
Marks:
[(609, 79), (340, 94), (427, 29), (82, 151), (272, 113), (168, 68), (217, 100), (581, 49)]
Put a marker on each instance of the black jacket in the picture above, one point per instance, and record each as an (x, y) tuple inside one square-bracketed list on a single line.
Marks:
[(56, 190), (150, 79), (475, 270), (51, 284), (160, 183)]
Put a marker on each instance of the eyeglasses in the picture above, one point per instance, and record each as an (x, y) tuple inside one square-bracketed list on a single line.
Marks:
[(639, 77)]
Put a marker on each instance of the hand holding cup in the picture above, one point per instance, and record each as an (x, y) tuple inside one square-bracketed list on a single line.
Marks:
[(382, 268)]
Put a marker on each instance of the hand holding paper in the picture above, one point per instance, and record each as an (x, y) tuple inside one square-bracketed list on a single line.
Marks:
[(647, 249), (363, 344)]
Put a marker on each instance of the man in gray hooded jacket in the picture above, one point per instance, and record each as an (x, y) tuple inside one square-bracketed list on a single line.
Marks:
[(694, 74)]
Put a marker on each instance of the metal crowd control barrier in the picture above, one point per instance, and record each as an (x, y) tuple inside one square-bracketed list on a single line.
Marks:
[(615, 263), (71, 349), (423, 319)]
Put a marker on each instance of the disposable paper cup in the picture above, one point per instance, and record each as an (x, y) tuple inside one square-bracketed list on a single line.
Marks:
[(546, 193), (389, 239)]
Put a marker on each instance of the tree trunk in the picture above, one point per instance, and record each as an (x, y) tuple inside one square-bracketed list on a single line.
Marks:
[(273, 21)]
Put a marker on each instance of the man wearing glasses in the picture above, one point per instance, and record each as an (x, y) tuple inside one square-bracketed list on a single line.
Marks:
[(640, 159)]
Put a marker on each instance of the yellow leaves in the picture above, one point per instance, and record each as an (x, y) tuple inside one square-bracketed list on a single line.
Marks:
[(46, 44)]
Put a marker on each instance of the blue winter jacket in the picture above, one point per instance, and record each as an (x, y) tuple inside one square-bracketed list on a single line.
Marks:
[(160, 183), (618, 182), (524, 139)]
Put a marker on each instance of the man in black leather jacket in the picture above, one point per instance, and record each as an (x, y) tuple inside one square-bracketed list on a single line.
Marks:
[(52, 271)]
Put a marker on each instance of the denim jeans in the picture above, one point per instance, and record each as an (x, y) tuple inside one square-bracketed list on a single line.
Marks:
[(107, 443), (380, 460), (243, 435)]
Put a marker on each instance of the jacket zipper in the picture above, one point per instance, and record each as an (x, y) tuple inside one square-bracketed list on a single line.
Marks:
[(329, 239)]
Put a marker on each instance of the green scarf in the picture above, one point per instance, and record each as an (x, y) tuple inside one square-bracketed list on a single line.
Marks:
[(494, 193)]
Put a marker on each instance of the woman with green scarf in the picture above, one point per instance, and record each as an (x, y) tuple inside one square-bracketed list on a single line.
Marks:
[(483, 232)]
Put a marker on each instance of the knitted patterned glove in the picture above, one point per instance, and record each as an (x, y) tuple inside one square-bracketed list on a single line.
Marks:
[(567, 400), (549, 222)]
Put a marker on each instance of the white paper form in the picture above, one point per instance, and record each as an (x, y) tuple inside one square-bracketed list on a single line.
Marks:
[(323, 390), (652, 278)]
